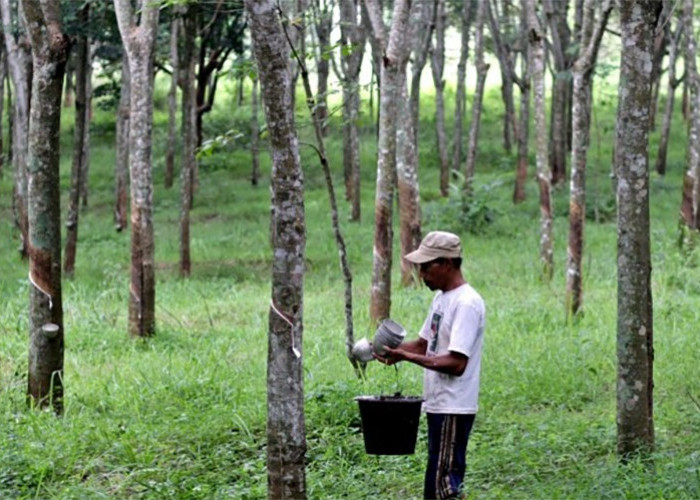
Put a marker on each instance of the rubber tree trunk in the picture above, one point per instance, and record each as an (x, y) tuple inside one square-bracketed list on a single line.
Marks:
[(121, 166), (139, 42), (172, 100), (85, 162), (394, 56), (82, 60), (505, 63), (3, 76), (324, 25), (438, 67), (690, 203), (673, 83), (592, 33), (189, 133), (537, 63), (461, 92), (286, 431), (481, 71), (49, 53), (524, 126), (635, 347), (254, 133), (19, 61)]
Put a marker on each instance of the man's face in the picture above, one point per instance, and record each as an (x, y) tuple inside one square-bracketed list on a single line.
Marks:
[(434, 273)]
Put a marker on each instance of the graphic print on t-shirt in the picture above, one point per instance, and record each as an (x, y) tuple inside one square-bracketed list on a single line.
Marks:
[(434, 329)]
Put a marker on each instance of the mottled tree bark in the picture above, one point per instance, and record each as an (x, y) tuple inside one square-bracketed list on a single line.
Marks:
[(82, 60), (635, 424), (437, 65), (591, 35), (254, 133), (523, 129), (49, 53), (19, 61), (172, 100), (189, 134), (121, 166), (286, 431), (482, 69), (324, 25), (557, 12), (537, 63), (461, 92), (353, 36), (139, 43), (690, 203), (673, 83), (395, 54)]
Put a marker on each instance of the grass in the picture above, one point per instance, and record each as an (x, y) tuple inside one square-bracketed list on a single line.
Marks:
[(182, 415)]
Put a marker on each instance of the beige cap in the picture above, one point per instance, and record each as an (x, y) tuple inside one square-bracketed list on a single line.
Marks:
[(436, 244)]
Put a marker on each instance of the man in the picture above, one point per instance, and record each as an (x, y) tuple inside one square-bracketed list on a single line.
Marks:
[(449, 348)]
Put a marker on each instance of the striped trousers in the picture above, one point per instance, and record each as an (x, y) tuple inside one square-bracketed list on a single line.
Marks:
[(447, 454)]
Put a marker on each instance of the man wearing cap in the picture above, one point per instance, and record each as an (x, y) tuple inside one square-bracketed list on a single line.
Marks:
[(449, 348)]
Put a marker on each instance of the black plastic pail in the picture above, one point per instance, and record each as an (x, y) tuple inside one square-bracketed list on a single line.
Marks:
[(390, 423)]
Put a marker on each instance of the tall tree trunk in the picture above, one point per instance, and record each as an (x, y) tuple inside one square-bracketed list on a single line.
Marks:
[(19, 60), (324, 25), (49, 53), (82, 61), (438, 67), (673, 83), (172, 100), (690, 203), (395, 55), (254, 133), (189, 133), (505, 63), (635, 348), (537, 63), (286, 431), (3, 76), (557, 13), (121, 167), (422, 27), (481, 70), (461, 92), (524, 126), (591, 35), (139, 42), (85, 162)]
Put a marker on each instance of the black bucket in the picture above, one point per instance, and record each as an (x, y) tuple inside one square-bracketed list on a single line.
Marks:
[(390, 423)]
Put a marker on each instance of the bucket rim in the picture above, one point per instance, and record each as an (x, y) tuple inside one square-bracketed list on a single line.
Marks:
[(390, 398)]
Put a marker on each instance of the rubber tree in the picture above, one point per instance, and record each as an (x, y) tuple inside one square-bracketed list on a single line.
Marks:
[(461, 91), (536, 37), (582, 97), (19, 61), (139, 43), (286, 431), (437, 64), (121, 164), (50, 48), (394, 48), (171, 148), (673, 83), (635, 347), (523, 129)]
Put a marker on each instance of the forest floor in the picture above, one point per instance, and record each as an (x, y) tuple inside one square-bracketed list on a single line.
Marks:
[(182, 415)]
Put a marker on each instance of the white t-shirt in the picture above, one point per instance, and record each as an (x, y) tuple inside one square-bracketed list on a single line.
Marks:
[(456, 323)]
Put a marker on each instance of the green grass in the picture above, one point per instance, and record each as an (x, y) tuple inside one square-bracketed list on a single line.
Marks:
[(183, 414)]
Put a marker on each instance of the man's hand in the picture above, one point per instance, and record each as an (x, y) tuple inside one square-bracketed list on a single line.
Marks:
[(391, 356)]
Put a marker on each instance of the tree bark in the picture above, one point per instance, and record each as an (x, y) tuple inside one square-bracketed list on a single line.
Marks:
[(85, 162), (591, 35), (3, 76), (172, 100), (19, 60), (673, 83), (635, 424), (82, 60), (481, 71), (690, 203), (353, 36), (537, 63), (523, 128), (286, 433), (189, 133), (438, 66), (395, 55), (254, 133), (121, 167), (324, 26), (139, 42), (460, 94), (49, 53)]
